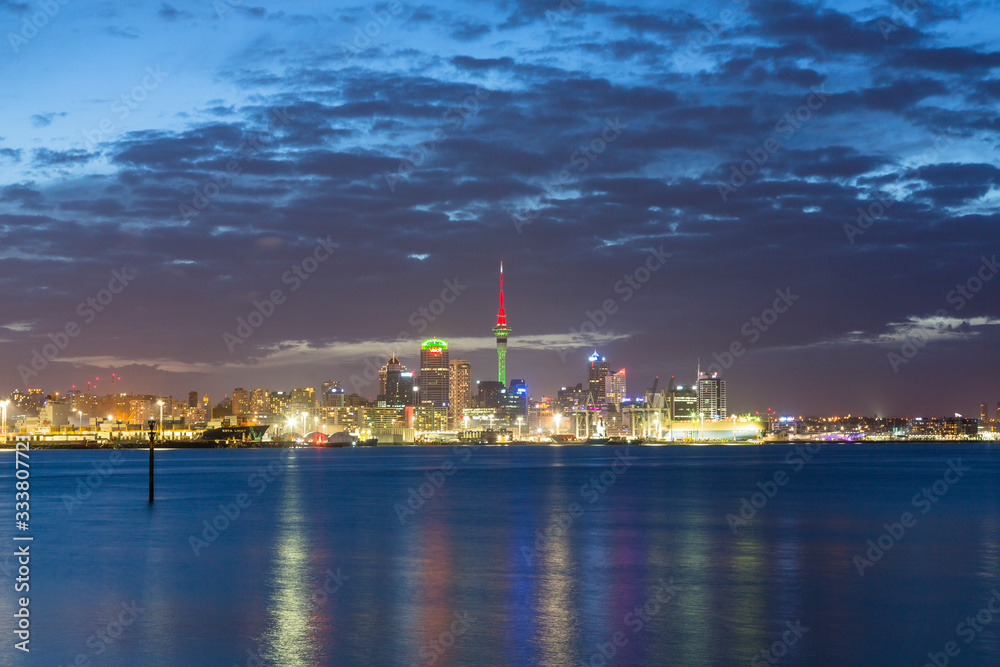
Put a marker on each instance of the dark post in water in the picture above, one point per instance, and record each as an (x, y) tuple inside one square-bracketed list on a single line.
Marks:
[(152, 435)]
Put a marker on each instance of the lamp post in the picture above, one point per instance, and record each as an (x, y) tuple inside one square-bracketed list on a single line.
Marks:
[(3, 405), (303, 414), (519, 427), (558, 419), (160, 403)]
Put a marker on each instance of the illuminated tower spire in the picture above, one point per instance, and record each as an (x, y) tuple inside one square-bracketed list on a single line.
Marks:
[(501, 331)]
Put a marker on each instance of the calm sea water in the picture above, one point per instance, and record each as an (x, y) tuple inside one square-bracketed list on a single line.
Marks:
[(516, 556)]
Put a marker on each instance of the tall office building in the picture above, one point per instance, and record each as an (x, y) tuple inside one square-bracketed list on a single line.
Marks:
[(501, 331), (614, 388), (395, 385), (517, 400), (433, 381), (460, 389), (598, 369), (241, 401), (391, 366), (711, 396), (984, 417), (192, 399), (491, 394)]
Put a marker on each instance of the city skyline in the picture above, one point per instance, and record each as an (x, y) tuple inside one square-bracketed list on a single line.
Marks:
[(803, 194)]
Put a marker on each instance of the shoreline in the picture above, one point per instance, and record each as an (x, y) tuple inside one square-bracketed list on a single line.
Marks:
[(676, 443)]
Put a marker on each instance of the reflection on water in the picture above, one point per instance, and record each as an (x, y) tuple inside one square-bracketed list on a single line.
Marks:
[(290, 639), (319, 569)]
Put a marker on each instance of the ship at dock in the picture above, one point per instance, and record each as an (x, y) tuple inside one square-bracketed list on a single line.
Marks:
[(233, 435)]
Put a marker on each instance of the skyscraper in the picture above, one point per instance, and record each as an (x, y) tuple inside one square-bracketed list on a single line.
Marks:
[(517, 400), (395, 385), (460, 390), (501, 331), (597, 371), (260, 401), (614, 388), (984, 416), (434, 374), (711, 396), (241, 401), (392, 365)]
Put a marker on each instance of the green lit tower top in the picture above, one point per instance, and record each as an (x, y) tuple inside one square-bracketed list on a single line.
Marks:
[(501, 331)]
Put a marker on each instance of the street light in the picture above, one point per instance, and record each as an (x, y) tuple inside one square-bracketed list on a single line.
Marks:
[(3, 404), (519, 427), (160, 403), (303, 424), (558, 419)]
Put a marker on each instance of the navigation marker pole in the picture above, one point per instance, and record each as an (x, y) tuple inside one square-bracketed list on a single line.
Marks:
[(152, 436)]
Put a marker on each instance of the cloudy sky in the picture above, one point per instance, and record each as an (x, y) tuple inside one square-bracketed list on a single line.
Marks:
[(666, 171)]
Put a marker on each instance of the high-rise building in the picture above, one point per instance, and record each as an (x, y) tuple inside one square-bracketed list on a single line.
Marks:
[(711, 396), (501, 331), (614, 388), (433, 382), (391, 366), (491, 394), (570, 398), (395, 385), (517, 400), (984, 416), (192, 399), (302, 399), (598, 369), (260, 401), (241, 401), (460, 389)]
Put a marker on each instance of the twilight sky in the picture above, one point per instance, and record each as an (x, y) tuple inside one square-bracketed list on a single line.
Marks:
[(596, 148)]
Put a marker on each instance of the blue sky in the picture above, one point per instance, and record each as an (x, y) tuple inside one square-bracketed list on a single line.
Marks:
[(494, 106)]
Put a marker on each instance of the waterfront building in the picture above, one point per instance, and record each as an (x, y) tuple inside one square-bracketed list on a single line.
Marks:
[(944, 427), (711, 396)]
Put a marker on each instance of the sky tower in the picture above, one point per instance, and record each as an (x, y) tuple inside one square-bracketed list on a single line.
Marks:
[(501, 331)]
